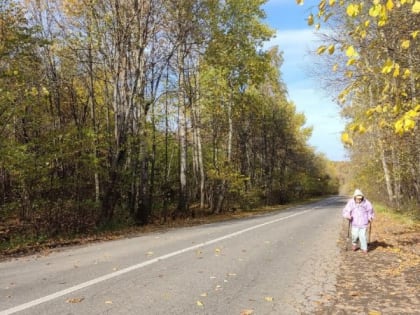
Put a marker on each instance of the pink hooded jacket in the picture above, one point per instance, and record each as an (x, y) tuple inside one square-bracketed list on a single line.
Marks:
[(361, 213)]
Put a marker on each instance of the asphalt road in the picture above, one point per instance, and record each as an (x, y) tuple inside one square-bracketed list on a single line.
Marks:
[(281, 263)]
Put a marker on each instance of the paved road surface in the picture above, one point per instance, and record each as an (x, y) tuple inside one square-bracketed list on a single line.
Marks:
[(279, 263)]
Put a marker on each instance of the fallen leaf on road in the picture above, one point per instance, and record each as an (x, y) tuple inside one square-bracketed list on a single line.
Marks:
[(108, 302), (199, 303), (203, 294), (150, 253), (269, 298), (373, 312), (247, 312), (75, 300)]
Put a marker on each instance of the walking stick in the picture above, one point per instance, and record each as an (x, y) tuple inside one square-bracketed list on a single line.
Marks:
[(348, 236), (370, 232)]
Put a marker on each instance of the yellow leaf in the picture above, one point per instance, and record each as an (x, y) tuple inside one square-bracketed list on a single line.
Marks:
[(321, 50), (412, 114), (375, 10), (199, 303), (351, 52), (332, 2), (409, 124), (399, 127), (310, 19), (345, 138), (75, 300), (247, 312), (416, 7), (381, 23), (389, 5), (373, 312), (108, 302), (414, 34), (269, 298), (388, 66), (335, 67), (353, 10), (331, 49), (406, 74), (203, 294), (299, 2), (351, 61), (405, 44)]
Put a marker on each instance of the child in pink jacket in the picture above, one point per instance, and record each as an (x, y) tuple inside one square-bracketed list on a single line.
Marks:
[(360, 213)]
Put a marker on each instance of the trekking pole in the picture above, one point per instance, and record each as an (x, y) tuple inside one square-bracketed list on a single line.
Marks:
[(348, 236), (370, 232)]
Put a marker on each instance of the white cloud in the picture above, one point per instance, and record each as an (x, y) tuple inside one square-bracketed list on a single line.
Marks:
[(320, 111)]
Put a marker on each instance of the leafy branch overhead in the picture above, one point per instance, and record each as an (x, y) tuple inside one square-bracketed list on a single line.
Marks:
[(381, 40)]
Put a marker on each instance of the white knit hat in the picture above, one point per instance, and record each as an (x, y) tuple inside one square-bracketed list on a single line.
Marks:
[(358, 192)]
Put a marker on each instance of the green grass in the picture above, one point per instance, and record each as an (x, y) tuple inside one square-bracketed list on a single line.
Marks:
[(408, 218)]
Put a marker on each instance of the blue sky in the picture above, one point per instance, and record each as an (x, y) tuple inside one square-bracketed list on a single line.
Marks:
[(295, 38)]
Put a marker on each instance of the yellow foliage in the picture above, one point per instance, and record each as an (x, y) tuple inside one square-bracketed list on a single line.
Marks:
[(332, 2), (299, 2), (389, 5), (351, 61), (331, 49), (388, 66), (353, 10), (335, 67), (375, 10), (310, 19), (414, 34), (351, 52), (416, 7), (321, 49), (405, 44), (346, 139)]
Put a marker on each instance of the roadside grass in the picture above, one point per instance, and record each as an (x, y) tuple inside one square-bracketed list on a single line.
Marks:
[(409, 218)]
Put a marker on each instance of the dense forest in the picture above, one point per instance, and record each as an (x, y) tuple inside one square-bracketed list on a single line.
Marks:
[(131, 112)]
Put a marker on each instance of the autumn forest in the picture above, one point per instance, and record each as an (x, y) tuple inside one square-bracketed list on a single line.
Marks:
[(131, 112)]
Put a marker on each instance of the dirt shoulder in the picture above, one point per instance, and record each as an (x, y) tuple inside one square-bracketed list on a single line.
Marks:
[(386, 280)]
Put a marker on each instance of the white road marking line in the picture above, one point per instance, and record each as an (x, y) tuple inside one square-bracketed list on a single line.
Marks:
[(89, 283)]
